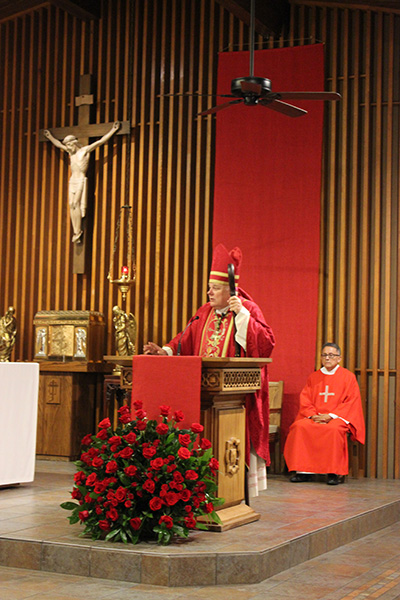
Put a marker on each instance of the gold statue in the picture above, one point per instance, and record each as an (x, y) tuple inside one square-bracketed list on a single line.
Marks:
[(125, 332), (8, 333)]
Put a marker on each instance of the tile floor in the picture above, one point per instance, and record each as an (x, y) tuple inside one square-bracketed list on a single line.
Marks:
[(368, 567)]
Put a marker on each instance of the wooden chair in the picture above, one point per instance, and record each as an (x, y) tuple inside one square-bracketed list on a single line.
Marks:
[(275, 409), (354, 458)]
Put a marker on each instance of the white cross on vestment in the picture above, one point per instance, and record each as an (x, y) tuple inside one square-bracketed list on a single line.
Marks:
[(326, 393)]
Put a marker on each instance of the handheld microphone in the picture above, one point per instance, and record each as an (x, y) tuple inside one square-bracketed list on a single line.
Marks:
[(178, 353)]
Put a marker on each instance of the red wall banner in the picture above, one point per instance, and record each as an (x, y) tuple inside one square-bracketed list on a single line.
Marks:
[(267, 202)]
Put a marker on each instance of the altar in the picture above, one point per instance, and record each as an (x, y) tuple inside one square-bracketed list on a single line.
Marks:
[(18, 416)]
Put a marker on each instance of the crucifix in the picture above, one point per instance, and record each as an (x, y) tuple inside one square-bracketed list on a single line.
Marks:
[(75, 140), (326, 393)]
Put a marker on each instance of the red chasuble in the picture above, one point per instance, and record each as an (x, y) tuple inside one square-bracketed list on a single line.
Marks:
[(209, 337), (322, 447)]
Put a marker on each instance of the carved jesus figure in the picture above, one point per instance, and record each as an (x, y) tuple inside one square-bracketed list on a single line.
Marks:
[(79, 161)]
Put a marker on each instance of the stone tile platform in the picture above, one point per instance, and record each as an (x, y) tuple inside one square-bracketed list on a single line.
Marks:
[(298, 522)]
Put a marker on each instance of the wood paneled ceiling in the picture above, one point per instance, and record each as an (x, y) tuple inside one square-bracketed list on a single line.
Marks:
[(270, 15), (84, 9)]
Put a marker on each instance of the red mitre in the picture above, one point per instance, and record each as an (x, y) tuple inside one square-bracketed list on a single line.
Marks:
[(220, 261)]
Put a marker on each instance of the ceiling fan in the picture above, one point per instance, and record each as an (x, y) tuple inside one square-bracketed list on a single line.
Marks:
[(252, 91)]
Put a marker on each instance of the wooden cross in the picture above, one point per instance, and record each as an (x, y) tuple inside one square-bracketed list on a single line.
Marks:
[(326, 393), (83, 131)]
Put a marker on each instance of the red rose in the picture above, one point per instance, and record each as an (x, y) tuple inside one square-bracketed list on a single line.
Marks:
[(91, 480), (201, 496), (102, 434), (138, 404), (197, 428), (83, 515), (79, 477), (141, 425), (112, 514), (188, 509), (125, 418), (88, 498), (184, 453), (178, 416), (191, 475), (105, 423), (75, 494), (86, 458), (126, 452), (178, 477), (209, 507), (120, 494), (149, 452), (213, 464), (184, 439), (135, 523), (155, 503), (87, 440), (157, 463), (130, 438), (164, 410), (185, 495), (140, 414), (104, 525), (111, 467), (167, 520), (171, 498), (97, 462), (190, 522), (100, 487), (98, 510), (128, 504), (205, 444), (131, 470), (114, 440), (162, 429), (149, 486), (171, 468)]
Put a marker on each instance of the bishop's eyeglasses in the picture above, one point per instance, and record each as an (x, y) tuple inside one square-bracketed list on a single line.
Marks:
[(329, 355)]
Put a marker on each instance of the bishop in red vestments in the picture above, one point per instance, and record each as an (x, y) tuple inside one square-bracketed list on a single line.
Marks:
[(211, 332), (330, 408)]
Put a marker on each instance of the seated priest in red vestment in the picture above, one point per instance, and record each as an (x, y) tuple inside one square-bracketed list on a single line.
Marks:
[(330, 408), (213, 331)]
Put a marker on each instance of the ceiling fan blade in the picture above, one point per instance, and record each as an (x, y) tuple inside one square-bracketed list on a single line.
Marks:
[(306, 95), (249, 87), (283, 107), (219, 107)]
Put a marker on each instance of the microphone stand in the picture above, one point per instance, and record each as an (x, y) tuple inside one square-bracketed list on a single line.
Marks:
[(192, 320)]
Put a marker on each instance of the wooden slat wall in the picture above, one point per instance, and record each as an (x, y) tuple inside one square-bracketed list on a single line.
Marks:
[(137, 52), (359, 307)]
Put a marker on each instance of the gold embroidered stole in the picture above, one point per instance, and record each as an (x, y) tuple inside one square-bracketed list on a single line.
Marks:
[(216, 334)]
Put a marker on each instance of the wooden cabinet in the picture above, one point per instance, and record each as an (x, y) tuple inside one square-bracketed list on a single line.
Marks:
[(70, 397)]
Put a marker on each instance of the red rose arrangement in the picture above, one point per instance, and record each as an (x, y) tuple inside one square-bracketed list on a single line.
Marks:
[(146, 479)]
